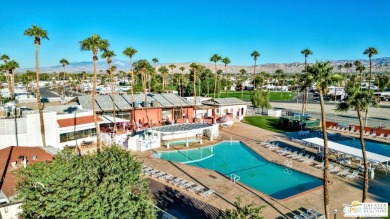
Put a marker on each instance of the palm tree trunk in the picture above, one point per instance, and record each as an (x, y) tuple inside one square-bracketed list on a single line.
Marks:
[(369, 89), (326, 155), (254, 74), (226, 85), (281, 90), (365, 162), (132, 95), (181, 106), (63, 83), (94, 103), (145, 94), (208, 85), (194, 94), (215, 88), (219, 86), (113, 98), (41, 120), (12, 86)]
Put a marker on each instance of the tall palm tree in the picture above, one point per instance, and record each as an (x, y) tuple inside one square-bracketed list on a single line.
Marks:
[(219, 77), (130, 52), (194, 67), (281, 78), (215, 58), (163, 71), (348, 65), (359, 100), (38, 34), (180, 90), (255, 54), (361, 69), (371, 51), (5, 59), (172, 66), (306, 53), (226, 61), (243, 73), (94, 43), (11, 66), (64, 62), (108, 54), (322, 74)]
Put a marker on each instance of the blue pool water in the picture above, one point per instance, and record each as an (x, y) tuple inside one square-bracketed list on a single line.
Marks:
[(371, 146), (229, 158)]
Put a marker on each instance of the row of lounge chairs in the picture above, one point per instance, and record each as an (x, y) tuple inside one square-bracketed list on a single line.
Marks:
[(310, 214), (179, 182), (336, 169), (357, 132), (288, 152)]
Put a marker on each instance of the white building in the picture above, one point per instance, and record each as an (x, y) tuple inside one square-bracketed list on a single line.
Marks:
[(228, 106)]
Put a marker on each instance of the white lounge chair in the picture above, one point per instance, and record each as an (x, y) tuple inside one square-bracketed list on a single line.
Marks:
[(335, 169), (302, 159), (292, 154), (207, 193), (388, 137), (309, 160), (315, 214), (306, 216), (382, 135), (320, 165), (196, 189), (344, 172), (373, 135), (299, 156), (366, 133), (353, 175)]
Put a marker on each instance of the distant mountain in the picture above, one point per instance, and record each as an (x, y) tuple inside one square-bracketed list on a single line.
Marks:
[(379, 64)]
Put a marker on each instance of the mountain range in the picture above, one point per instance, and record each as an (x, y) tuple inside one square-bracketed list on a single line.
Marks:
[(379, 65)]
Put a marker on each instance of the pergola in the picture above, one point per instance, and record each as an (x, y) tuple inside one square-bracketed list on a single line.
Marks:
[(373, 157)]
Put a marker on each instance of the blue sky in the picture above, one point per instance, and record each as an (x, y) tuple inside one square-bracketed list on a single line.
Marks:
[(193, 30)]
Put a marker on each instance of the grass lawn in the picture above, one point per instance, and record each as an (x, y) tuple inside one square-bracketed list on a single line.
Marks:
[(266, 122), (274, 95)]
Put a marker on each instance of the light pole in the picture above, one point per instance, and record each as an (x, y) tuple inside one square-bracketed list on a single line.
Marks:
[(335, 213)]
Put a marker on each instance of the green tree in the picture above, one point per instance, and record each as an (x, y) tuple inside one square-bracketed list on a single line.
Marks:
[(64, 62), (255, 54), (143, 67), (5, 59), (194, 68), (215, 58), (359, 100), (260, 99), (130, 52), (172, 66), (370, 52), (101, 185), (226, 61), (108, 54), (38, 34), (243, 212), (306, 53), (94, 44), (322, 74), (281, 76)]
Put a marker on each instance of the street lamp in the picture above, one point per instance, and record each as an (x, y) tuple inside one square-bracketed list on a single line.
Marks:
[(335, 213)]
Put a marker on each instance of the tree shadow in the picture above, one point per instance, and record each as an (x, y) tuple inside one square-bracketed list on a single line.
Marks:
[(181, 205)]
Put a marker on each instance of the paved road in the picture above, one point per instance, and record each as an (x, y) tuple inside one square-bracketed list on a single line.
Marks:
[(376, 116), (47, 93)]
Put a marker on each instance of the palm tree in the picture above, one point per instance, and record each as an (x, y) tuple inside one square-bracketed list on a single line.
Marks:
[(64, 62), (305, 52), (194, 67), (172, 66), (11, 66), (255, 54), (242, 72), (108, 54), (348, 65), (322, 74), (5, 59), (215, 58), (226, 61), (130, 52), (281, 77), (359, 100), (296, 78), (361, 69), (219, 76), (94, 44), (163, 71), (38, 34), (180, 90), (370, 52)]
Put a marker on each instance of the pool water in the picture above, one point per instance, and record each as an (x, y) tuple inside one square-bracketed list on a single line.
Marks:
[(371, 146), (236, 158)]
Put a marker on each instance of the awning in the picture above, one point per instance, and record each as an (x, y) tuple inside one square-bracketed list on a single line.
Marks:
[(348, 150), (110, 119)]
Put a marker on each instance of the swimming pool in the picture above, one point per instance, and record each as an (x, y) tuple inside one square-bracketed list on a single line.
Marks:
[(371, 146), (236, 158)]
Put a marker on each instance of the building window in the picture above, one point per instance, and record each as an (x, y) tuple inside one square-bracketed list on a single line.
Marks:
[(70, 136), (166, 114)]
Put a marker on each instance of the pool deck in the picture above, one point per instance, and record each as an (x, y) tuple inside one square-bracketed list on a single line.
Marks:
[(342, 191)]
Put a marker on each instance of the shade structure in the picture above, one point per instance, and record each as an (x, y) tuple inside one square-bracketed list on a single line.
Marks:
[(348, 150)]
